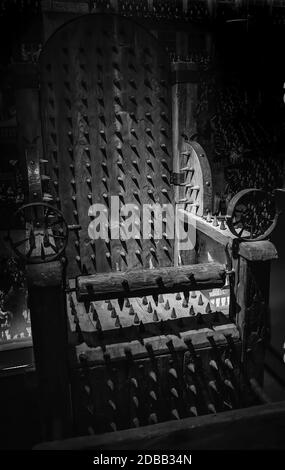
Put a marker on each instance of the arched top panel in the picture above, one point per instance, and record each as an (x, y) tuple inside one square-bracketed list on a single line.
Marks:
[(106, 113)]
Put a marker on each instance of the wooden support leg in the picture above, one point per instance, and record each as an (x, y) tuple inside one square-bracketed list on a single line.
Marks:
[(252, 299), (48, 318)]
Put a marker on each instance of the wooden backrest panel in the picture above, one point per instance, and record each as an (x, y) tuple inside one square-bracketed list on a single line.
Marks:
[(106, 112)]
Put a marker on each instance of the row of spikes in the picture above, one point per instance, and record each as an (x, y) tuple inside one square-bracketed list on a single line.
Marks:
[(216, 221), (191, 190), (158, 299), (123, 254), (118, 148), (164, 327), (117, 101), (190, 394), (101, 52)]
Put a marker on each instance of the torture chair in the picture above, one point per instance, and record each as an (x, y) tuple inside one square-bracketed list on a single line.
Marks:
[(132, 332)]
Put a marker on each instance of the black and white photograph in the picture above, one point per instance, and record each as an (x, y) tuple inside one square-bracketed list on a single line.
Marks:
[(142, 216)]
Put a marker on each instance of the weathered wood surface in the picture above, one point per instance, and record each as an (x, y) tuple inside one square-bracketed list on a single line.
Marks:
[(148, 282), (45, 275), (49, 330), (106, 114), (258, 427), (184, 102), (262, 250), (95, 355), (258, 251)]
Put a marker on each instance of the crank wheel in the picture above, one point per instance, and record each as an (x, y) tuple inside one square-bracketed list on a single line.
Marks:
[(252, 215), (43, 233)]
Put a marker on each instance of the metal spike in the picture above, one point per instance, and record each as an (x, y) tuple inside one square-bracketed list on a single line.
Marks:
[(229, 384), (208, 308), (167, 306), (173, 313), (193, 389), (200, 300), (149, 308), (191, 311), (149, 178), (134, 382), (211, 408), (136, 401), (153, 376), (229, 364), (112, 405), (153, 395), (87, 389), (173, 372), (215, 221), (193, 411), (212, 385), (136, 319), (174, 392), (136, 422), (113, 426), (110, 384), (152, 418), (191, 367), (213, 364), (144, 301), (175, 414), (155, 298), (133, 117), (98, 325), (185, 303), (155, 316)]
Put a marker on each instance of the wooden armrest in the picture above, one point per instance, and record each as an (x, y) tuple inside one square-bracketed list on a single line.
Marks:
[(137, 283)]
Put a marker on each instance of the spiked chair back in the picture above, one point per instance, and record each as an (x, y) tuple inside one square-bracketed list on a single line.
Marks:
[(106, 113)]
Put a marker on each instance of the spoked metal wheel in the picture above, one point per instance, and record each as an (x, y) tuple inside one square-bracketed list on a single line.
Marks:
[(252, 214), (38, 233)]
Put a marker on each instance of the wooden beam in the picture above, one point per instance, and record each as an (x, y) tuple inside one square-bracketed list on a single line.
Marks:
[(150, 281), (257, 427), (116, 351), (262, 250), (49, 328)]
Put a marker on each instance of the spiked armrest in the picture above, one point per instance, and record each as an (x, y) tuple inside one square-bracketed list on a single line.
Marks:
[(150, 282)]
